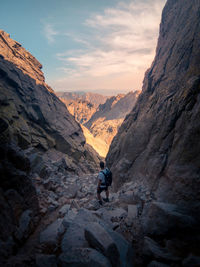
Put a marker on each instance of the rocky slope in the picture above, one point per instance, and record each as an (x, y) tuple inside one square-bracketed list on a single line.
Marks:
[(97, 143), (79, 232), (38, 138), (157, 147), (105, 122)]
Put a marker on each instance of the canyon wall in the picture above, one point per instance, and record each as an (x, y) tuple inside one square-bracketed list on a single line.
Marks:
[(158, 143), (156, 151), (31, 113), (39, 138)]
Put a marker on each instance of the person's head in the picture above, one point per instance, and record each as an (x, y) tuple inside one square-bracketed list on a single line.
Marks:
[(101, 164)]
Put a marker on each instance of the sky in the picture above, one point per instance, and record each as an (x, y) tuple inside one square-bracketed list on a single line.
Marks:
[(103, 46)]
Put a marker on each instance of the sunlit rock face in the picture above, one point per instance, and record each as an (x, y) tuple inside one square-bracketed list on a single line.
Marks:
[(109, 116), (37, 134), (100, 123), (158, 144), (82, 110)]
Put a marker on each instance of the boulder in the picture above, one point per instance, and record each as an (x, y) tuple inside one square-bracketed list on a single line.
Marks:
[(83, 257), (160, 218), (99, 239), (72, 191), (50, 236), (111, 215), (127, 255), (69, 218), (152, 250), (84, 216), (74, 237)]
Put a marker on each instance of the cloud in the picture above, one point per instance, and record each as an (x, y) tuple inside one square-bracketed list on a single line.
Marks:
[(122, 45), (50, 33)]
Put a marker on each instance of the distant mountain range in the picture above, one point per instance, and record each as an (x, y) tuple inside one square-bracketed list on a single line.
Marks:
[(93, 98), (101, 115)]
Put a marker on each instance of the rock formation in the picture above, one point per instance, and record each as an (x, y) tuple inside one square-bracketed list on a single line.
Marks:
[(38, 138), (96, 142), (157, 147), (82, 110), (102, 121), (107, 119)]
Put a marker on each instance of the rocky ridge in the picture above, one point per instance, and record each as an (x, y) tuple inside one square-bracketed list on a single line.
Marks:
[(93, 98), (157, 146)]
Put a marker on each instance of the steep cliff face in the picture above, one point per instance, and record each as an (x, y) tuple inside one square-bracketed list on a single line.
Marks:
[(38, 138), (33, 114), (158, 143), (157, 147)]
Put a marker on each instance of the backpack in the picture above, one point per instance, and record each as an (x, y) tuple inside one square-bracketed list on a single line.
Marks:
[(108, 176)]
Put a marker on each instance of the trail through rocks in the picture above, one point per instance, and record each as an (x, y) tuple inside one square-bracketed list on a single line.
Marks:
[(74, 230), (69, 209)]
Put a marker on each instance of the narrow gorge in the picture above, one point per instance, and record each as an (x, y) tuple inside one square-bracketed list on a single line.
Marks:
[(49, 213), (100, 116)]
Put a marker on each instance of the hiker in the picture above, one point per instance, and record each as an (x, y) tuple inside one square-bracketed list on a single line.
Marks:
[(104, 180)]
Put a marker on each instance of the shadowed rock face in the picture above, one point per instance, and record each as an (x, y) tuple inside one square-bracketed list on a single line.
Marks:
[(36, 131), (34, 115), (157, 147), (158, 144)]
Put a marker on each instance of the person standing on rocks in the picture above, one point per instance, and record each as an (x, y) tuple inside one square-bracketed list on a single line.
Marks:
[(102, 186)]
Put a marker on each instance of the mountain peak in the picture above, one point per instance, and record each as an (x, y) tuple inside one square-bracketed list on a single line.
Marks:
[(13, 51)]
